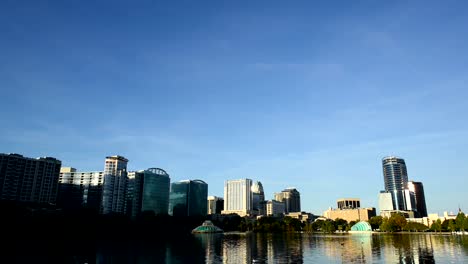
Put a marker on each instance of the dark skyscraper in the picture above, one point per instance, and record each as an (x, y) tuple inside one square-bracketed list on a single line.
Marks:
[(188, 198), (395, 179), (29, 180), (149, 191), (418, 190)]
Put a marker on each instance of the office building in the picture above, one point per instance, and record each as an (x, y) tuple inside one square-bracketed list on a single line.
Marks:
[(80, 189), (188, 198), (291, 199), (238, 197), (148, 191), (29, 180), (356, 214), (395, 179), (275, 208), (215, 205), (114, 193), (385, 201), (258, 198), (418, 190)]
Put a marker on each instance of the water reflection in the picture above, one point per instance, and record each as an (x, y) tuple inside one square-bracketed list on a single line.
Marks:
[(289, 248)]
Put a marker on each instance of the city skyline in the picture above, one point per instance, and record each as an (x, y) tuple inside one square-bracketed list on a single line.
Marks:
[(310, 95)]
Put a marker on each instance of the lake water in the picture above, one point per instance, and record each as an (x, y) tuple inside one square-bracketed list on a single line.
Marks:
[(294, 248)]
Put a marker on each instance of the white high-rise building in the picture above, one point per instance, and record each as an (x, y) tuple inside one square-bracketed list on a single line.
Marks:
[(115, 185), (238, 197)]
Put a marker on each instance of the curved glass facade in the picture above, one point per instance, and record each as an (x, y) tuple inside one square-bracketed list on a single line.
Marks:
[(150, 191), (395, 179)]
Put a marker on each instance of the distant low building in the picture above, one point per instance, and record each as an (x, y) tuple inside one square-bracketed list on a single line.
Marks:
[(432, 218), (349, 210), (303, 216)]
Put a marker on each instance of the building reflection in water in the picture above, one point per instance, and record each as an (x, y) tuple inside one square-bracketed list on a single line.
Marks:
[(355, 248)]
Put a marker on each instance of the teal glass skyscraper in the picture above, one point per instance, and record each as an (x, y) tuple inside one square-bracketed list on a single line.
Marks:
[(395, 179), (149, 192), (188, 198)]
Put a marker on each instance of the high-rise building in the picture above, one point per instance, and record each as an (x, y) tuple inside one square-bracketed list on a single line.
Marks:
[(258, 198), (418, 190), (80, 189), (148, 190), (188, 198), (29, 180), (215, 204), (385, 201), (291, 199), (114, 193), (238, 197), (275, 207), (395, 179)]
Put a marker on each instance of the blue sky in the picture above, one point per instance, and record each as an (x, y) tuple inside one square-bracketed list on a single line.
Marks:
[(301, 94)]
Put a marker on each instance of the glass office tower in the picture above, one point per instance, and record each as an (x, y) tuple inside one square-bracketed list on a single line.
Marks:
[(395, 179), (188, 198), (149, 191), (418, 190)]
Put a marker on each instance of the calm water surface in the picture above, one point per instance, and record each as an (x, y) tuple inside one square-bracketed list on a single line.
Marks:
[(293, 248)]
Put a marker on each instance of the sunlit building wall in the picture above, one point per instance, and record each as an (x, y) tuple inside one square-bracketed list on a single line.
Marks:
[(291, 199), (274, 207), (28, 179), (80, 189), (238, 197), (114, 196)]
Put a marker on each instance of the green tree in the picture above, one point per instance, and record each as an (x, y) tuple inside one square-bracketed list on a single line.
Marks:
[(460, 221), (436, 226), (395, 223), (415, 227), (329, 227), (465, 224), (340, 224), (375, 222)]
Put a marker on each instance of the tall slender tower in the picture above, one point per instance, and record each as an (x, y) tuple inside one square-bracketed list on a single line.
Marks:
[(418, 190), (115, 185), (395, 179)]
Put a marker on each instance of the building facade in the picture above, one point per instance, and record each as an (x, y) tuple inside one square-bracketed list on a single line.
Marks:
[(28, 179), (80, 189), (148, 191), (215, 205), (274, 207), (291, 199), (114, 193), (188, 198), (358, 214), (395, 179), (238, 197), (258, 198), (348, 203), (418, 189)]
